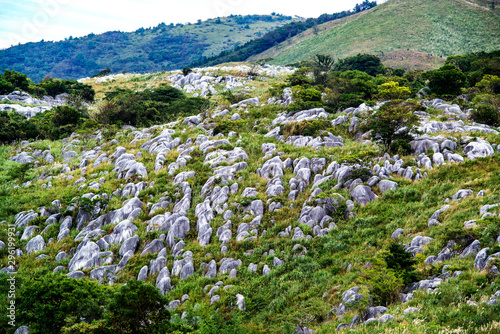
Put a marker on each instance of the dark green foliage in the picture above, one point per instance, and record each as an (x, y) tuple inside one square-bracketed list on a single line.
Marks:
[(476, 65), (148, 107), (322, 64), (49, 303), (369, 64), (486, 114), (12, 80), (350, 89), (299, 77), (64, 121), (102, 73), (19, 171), (55, 87), (402, 262), (393, 122), (305, 98), (138, 307), (15, 126), (447, 80), (186, 71)]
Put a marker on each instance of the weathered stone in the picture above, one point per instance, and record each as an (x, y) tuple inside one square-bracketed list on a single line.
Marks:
[(363, 195), (35, 245)]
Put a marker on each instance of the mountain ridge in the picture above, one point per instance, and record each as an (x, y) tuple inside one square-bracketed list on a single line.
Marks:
[(444, 28)]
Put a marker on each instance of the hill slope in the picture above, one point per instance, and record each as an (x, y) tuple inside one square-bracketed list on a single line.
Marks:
[(439, 28), (164, 47)]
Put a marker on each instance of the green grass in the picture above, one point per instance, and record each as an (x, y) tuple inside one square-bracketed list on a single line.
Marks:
[(439, 28)]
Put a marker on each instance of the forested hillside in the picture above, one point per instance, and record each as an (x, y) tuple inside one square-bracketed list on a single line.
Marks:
[(164, 47)]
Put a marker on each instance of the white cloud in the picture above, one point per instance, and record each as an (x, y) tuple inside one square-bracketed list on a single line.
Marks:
[(33, 20)]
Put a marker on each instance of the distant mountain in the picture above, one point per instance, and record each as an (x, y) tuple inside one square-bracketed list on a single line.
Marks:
[(164, 47), (438, 28), (284, 33)]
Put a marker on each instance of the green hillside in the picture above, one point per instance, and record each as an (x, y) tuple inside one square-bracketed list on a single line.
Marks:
[(164, 47), (439, 28)]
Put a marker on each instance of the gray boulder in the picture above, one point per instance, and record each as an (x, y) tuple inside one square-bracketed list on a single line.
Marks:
[(385, 318), (240, 302), (478, 149), (129, 245), (472, 249), (143, 274), (480, 261), (153, 247), (35, 245), (363, 195), (22, 330), (385, 185), (121, 232)]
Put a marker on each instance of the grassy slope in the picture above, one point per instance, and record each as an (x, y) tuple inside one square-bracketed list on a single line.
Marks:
[(439, 28), (303, 290)]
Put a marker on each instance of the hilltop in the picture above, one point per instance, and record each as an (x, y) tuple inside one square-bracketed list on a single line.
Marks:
[(437, 28), (164, 47)]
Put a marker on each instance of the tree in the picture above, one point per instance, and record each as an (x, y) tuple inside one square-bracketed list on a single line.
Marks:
[(392, 90), (383, 283), (402, 262), (137, 308), (367, 63), (393, 123), (49, 303), (447, 80)]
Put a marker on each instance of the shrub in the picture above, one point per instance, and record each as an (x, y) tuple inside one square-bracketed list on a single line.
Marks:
[(300, 77), (447, 80), (486, 114), (138, 307), (305, 98), (367, 63), (48, 304), (383, 283), (186, 71), (402, 262), (306, 128), (393, 125), (391, 90)]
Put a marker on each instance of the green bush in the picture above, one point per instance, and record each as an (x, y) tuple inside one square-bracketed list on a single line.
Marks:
[(486, 114), (383, 283), (447, 80), (305, 98), (393, 123), (306, 128), (402, 262)]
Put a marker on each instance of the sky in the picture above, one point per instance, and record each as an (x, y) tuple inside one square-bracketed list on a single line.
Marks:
[(25, 21)]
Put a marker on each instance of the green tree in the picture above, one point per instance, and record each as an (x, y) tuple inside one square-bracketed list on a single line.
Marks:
[(393, 122), (367, 63), (322, 64), (402, 262), (447, 80), (138, 308), (18, 80), (49, 303), (383, 283)]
